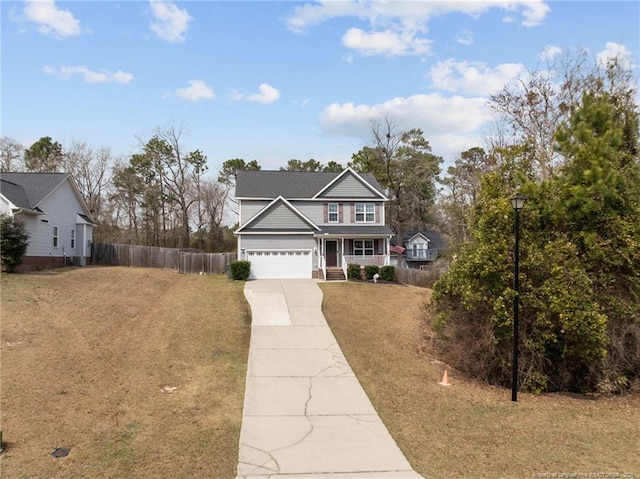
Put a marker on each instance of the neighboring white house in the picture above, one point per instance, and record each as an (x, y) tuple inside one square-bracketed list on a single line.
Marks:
[(56, 217), (297, 224)]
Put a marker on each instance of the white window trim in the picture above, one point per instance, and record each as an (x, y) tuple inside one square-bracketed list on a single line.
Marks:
[(336, 213), (364, 247), (56, 236), (365, 213)]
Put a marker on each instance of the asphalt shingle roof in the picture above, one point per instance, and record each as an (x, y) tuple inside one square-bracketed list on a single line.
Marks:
[(436, 241), (14, 193), (288, 184), (27, 190)]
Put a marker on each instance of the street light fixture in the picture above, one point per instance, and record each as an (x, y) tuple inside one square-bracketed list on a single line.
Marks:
[(517, 202)]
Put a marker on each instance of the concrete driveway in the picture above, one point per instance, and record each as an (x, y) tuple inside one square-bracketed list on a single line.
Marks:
[(305, 413)]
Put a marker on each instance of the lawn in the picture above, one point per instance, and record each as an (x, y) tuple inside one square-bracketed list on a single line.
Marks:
[(470, 429), (139, 372)]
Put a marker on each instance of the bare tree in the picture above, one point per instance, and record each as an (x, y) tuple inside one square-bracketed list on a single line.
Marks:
[(529, 112), (92, 170), (213, 199), (11, 155), (182, 174), (404, 165)]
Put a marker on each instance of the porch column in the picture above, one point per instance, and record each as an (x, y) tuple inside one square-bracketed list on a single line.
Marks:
[(387, 259)]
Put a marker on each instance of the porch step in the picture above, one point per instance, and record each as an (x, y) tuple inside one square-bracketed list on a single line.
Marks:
[(335, 274)]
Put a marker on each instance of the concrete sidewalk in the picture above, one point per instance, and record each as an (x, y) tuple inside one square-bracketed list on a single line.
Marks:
[(305, 414)]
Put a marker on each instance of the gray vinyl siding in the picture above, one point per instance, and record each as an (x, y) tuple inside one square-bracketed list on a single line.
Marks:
[(5, 209), (348, 187), (80, 241), (249, 208), (59, 209), (278, 242), (314, 210), (279, 217), (311, 209)]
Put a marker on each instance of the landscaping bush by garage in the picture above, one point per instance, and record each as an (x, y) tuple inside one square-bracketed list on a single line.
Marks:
[(240, 270)]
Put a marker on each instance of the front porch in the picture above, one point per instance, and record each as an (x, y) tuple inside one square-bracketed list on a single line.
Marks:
[(335, 253)]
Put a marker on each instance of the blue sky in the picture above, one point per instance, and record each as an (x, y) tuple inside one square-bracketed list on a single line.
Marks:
[(272, 81)]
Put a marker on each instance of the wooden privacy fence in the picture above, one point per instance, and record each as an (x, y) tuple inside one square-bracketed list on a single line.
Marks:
[(205, 263), (157, 257), (418, 277)]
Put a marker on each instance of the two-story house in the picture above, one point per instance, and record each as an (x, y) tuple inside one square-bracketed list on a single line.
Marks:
[(295, 224), (416, 249)]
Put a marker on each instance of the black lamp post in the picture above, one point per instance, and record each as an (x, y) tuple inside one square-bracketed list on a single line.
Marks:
[(517, 202)]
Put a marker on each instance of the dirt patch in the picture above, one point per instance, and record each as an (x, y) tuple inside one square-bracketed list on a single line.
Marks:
[(138, 372)]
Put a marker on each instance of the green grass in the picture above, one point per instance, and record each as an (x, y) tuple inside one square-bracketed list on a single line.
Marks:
[(470, 429)]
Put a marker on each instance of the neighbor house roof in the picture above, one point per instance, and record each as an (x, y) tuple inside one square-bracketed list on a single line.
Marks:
[(435, 238), (15, 194), (29, 190), (289, 184), (35, 186)]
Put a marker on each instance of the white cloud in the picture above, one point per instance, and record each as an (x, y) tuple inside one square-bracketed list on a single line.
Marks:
[(50, 19), (465, 37), (170, 22), (266, 94), (550, 52), (395, 26), (474, 78), (197, 90), (615, 50), (534, 13), (387, 42), (451, 124), (88, 75)]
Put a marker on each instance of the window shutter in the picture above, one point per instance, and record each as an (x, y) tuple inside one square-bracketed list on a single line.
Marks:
[(326, 213), (353, 212), (340, 213), (378, 217)]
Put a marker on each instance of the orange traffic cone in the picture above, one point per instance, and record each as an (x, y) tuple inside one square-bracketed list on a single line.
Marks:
[(445, 379)]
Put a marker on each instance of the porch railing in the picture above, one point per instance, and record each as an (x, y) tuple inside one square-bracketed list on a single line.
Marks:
[(378, 260), (422, 254)]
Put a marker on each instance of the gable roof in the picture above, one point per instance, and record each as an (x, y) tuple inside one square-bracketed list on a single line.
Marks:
[(15, 194), (435, 238), (290, 184), (29, 190), (276, 202), (350, 172), (36, 186)]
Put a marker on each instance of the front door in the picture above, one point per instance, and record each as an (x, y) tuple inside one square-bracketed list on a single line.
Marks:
[(331, 252)]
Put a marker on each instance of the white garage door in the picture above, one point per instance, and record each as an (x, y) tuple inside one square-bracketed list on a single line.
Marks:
[(280, 264)]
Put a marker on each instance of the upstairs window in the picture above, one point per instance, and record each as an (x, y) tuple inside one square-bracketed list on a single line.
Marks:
[(55, 236), (333, 212), (365, 213)]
